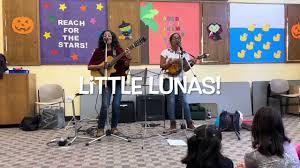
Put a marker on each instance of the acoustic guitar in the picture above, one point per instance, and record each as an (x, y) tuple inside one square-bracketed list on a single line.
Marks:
[(113, 60), (176, 67)]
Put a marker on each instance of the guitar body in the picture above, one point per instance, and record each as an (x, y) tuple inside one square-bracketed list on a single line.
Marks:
[(101, 71), (174, 69)]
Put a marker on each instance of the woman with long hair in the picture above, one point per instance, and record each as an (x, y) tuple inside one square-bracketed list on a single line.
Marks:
[(272, 148), (121, 66), (204, 149)]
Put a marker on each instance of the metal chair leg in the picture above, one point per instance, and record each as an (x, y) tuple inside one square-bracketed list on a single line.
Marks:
[(281, 108)]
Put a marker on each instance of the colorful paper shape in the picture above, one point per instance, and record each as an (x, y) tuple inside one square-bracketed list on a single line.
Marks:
[(126, 31), (214, 31)]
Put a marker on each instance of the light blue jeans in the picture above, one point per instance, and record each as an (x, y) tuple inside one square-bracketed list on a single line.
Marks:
[(171, 102), (106, 96)]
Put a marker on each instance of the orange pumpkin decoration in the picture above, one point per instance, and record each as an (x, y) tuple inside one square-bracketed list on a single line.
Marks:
[(22, 25), (296, 31)]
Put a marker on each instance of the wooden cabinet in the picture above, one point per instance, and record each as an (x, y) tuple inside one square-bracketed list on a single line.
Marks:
[(17, 97)]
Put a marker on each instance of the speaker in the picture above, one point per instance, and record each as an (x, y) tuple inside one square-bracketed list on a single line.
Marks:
[(155, 107), (127, 112)]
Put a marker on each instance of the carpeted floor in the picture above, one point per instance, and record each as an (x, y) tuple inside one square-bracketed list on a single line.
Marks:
[(30, 149)]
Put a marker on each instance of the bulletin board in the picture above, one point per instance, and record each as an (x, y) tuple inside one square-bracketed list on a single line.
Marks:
[(161, 19), (257, 33)]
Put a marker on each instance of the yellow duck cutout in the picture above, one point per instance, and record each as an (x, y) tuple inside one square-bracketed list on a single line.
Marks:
[(250, 46), (267, 45), (277, 54), (266, 27), (243, 37), (251, 27), (241, 54), (276, 37), (258, 37), (258, 54)]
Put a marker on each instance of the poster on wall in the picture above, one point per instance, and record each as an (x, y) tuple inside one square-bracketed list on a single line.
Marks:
[(257, 33), (165, 18), (69, 30)]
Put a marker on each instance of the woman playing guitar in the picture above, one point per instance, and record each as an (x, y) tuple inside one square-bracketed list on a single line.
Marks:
[(170, 62), (121, 66)]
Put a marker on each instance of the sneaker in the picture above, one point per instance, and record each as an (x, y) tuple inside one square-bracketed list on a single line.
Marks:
[(100, 132), (115, 131)]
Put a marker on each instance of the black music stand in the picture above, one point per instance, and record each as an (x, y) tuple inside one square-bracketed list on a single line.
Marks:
[(144, 74)]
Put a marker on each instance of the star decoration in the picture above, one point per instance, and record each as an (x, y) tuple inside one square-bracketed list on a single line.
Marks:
[(83, 8), (74, 57), (54, 52), (47, 35), (62, 7), (93, 20), (46, 5), (52, 19), (99, 6)]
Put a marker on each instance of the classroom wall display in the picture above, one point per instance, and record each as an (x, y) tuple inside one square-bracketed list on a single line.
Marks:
[(70, 30), (164, 18), (257, 33)]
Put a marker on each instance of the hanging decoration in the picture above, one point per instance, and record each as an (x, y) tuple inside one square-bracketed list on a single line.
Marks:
[(295, 30), (126, 31), (147, 14), (214, 31), (22, 25)]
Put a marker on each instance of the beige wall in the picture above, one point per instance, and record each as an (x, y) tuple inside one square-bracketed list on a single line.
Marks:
[(68, 76)]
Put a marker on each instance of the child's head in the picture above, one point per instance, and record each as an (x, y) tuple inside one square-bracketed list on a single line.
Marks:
[(208, 132), (268, 132), (204, 148)]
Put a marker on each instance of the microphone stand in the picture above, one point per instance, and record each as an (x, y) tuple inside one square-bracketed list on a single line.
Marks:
[(183, 122), (186, 61), (76, 125)]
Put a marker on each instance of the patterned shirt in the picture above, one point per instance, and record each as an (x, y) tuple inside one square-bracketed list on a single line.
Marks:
[(290, 159)]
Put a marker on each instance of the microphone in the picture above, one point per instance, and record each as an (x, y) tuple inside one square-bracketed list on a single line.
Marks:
[(179, 45), (105, 39), (78, 94)]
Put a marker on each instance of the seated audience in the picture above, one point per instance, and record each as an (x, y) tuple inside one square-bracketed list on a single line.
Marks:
[(272, 148), (204, 149)]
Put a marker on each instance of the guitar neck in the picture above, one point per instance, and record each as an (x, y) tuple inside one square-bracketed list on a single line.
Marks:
[(117, 58), (132, 46)]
